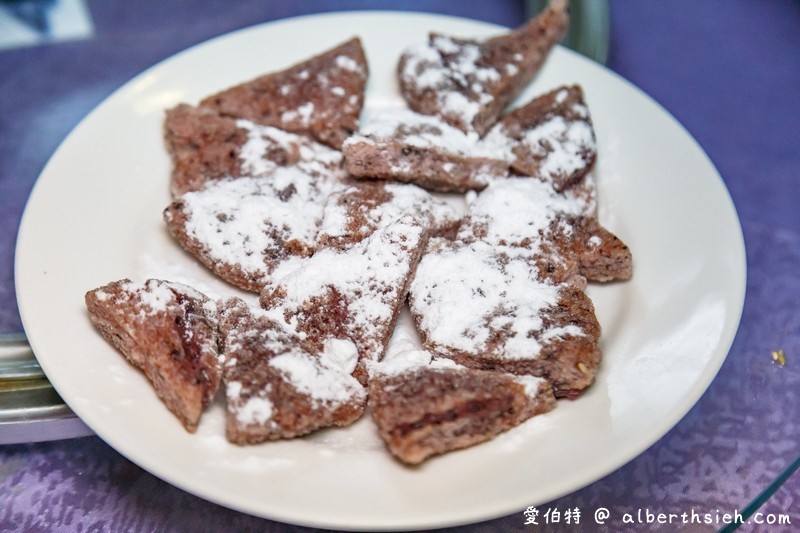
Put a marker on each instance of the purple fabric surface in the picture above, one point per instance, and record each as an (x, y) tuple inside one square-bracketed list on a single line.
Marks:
[(729, 71)]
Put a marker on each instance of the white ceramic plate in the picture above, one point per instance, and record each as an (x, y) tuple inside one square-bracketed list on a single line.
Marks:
[(95, 216)]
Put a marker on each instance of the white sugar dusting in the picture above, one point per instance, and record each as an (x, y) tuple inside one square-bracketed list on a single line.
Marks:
[(302, 115), (422, 131), (560, 145), (101, 295), (531, 385), (255, 410), (517, 210), (403, 199), (152, 297), (368, 276), (342, 353), (247, 221), (348, 63), (408, 198), (313, 158), (408, 358), (451, 69), (504, 294), (318, 377)]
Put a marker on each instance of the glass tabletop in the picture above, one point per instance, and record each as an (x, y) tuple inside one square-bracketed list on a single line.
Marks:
[(736, 451)]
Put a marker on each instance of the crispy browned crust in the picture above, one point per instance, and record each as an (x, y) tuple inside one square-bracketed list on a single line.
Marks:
[(425, 166), (334, 116), (176, 348), (430, 411), (533, 41), (250, 342), (565, 102)]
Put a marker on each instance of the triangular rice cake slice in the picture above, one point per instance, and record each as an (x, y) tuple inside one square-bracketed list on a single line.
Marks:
[(488, 308), (321, 96), (468, 82), (278, 387), (249, 230), (425, 406), (205, 146), (356, 293), (169, 331), (551, 138), (424, 150)]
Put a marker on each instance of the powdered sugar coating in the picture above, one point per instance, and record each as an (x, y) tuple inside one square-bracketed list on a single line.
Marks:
[(407, 356), (309, 156), (300, 116), (276, 387), (322, 378), (560, 145), (152, 297), (550, 138), (348, 63), (341, 353), (517, 212), (453, 71), (532, 384), (425, 131), (424, 150), (255, 410), (357, 211), (506, 298), (369, 279), (254, 224)]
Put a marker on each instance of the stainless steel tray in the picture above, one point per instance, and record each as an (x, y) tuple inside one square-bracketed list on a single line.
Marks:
[(30, 409)]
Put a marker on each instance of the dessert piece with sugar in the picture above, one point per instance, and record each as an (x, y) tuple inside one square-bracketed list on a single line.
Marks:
[(584, 193), (248, 230), (358, 211), (356, 293), (600, 255), (549, 226), (468, 82), (167, 330), (204, 146), (321, 96), (486, 307), (277, 386), (552, 137), (425, 406), (424, 150)]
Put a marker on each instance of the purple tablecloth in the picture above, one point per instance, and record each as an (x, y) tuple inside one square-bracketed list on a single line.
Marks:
[(728, 70)]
